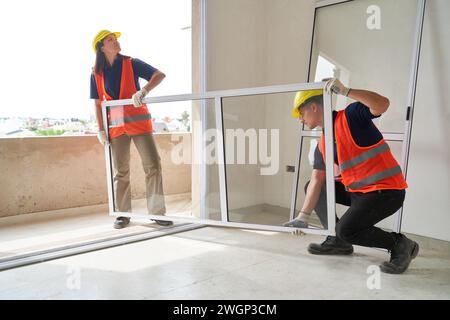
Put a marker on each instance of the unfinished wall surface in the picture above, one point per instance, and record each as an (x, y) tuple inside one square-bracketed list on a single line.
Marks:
[(288, 33), (254, 43), (48, 173), (235, 59)]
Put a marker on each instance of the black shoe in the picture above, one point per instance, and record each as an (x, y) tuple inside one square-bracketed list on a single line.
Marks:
[(402, 253), (121, 222), (332, 245), (163, 223)]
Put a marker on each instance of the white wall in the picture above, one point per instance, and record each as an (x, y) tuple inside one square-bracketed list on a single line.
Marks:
[(289, 27), (259, 43), (235, 55), (235, 44)]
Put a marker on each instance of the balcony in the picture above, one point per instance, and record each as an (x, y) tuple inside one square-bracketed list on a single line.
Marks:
[(55, 191)]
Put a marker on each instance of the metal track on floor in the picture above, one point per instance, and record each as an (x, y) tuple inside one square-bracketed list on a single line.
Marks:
[(70, 250)]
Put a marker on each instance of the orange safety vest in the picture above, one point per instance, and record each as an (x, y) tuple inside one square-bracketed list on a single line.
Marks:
[(125, 119), (364, 169)]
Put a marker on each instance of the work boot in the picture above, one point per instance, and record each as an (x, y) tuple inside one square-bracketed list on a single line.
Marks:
[(402, 253), (163, 223), (332, 245), (296, 223), (121, 222)]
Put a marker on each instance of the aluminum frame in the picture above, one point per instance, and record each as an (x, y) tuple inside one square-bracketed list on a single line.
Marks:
[(329, 161), (221, 159), (218, 96), (108, 159), (411, 100), (89, 246), (203, 80), (327, 3), (221, 94)]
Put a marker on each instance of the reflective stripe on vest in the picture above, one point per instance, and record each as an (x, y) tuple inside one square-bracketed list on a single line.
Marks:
[(371, 153), (120, 122), (376, 177)]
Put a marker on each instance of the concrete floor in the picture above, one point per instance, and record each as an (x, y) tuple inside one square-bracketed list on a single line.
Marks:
[(31, 233), (225, 263)]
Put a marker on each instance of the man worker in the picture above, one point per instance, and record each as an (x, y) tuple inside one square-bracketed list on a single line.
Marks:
[(371, 182)]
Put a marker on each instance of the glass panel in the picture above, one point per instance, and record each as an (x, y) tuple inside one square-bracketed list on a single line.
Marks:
[(259, 144), (178, 187), (212, 181), (150, 191), (307, 156), (370, 47)]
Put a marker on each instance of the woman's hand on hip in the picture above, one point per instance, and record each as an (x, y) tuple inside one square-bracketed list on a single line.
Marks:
[(138, 97)]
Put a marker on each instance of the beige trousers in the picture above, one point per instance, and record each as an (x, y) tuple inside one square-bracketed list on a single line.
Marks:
[(151, 162)]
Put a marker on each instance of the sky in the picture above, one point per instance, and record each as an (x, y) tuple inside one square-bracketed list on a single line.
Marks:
[(46, 49), (324, 69)]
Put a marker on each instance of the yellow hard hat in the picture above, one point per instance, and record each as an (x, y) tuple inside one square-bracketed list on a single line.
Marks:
[(301, 97), (102, 35)]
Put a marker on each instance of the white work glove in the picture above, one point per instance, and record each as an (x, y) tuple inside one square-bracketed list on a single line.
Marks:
[(101, 135), (300, 222), (138, 97), (334, 85)]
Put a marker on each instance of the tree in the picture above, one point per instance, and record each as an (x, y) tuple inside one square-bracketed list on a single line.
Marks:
[(185, 120), (49, 132)]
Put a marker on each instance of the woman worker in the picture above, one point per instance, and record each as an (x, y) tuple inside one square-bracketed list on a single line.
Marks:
[(115, 76)]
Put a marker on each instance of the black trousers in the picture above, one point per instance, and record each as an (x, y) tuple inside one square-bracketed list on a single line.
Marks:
[(357, 225)]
